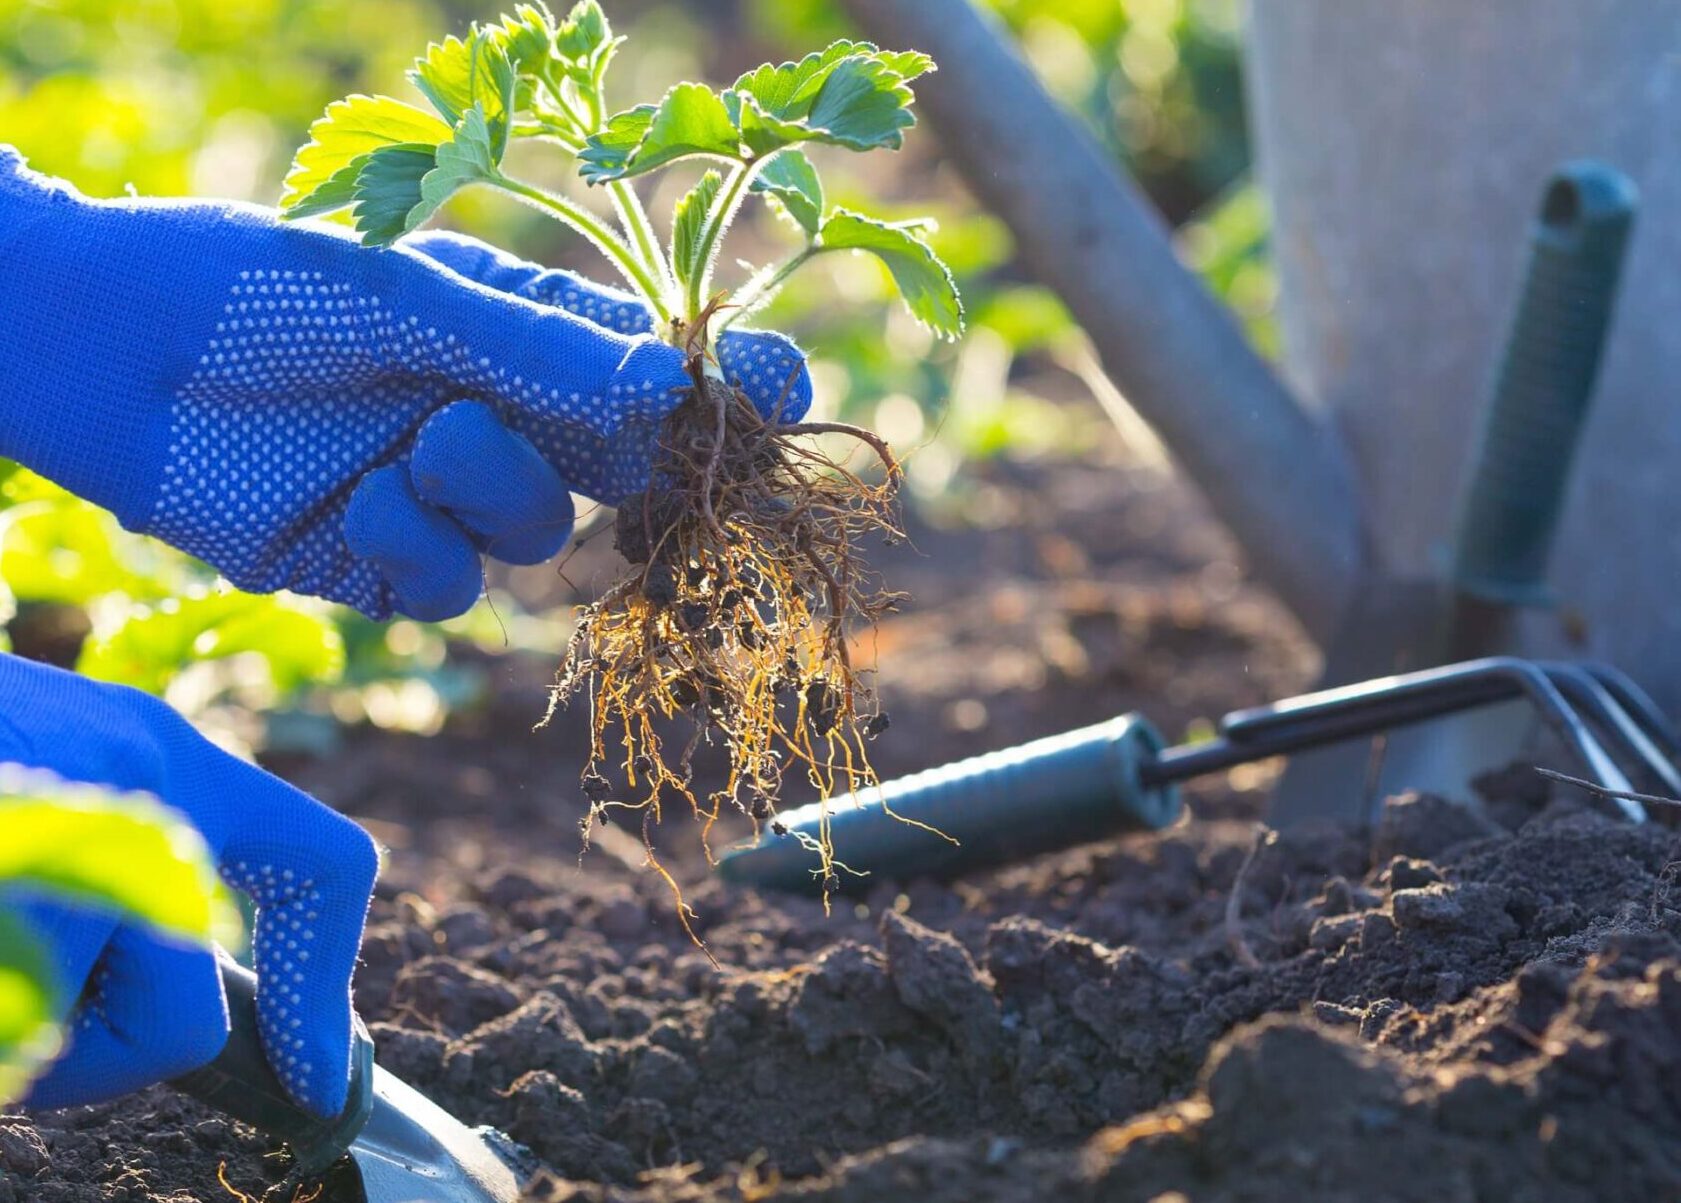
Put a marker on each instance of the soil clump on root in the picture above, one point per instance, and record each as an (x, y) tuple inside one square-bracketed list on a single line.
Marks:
[(746, 588)]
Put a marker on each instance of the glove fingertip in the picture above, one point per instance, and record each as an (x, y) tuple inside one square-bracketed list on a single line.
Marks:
[(771, 369), (430, 564)]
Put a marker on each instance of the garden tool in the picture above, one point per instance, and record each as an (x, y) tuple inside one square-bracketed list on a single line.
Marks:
[(1506, 519), (406, 1148), (1119, 775)]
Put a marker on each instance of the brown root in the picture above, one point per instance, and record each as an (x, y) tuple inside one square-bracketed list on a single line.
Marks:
[(745, 591)]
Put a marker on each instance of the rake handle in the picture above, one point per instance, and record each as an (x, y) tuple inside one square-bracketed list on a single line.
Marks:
[(1510, 511), (1000, 807)]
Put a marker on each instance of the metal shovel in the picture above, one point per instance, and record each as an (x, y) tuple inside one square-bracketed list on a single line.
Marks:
[(1507, 518), (406, 1148)]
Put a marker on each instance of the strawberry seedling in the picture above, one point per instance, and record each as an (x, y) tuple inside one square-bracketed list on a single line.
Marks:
[(746, 580)]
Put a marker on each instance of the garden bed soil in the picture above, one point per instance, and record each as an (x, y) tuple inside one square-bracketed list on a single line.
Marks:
[(1458, 1003)]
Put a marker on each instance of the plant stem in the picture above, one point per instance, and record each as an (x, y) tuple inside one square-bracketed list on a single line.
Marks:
[(765, 291), (723, 212), (634, 218), (598, 232), (547, 131)]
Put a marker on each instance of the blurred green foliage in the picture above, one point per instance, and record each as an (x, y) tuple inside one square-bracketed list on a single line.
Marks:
[(126, 854), (174, 97)]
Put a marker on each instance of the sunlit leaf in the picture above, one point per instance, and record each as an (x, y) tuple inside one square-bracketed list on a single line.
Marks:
[(607, 154), (323, 174), (30, 1002), (688, 221), (792, 184), (690, 120), (465, 159), (123, 853), (761, 133), (785, 90), (850, 95), (906, 64), (924, 282), (388, 191), (150, 648), (62, 549), (457, 74), (862, 105)]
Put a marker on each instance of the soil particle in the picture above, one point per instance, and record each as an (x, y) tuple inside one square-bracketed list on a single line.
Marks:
[(1423, 826), (933, 975), (450, 995)]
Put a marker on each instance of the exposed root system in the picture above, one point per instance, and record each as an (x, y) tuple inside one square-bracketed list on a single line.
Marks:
[(746, 586)]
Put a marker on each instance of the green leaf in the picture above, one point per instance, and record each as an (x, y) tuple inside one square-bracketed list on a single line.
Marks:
[(850, 95), (791, 182), (924, 282), (388, 191), (761, 133), (151, 646), (124, 853), (606, 155), (691, 119), (862, 105), (785, 90), (466, 158), (688, 221), (584, 32), (30, 1002), (906, 64), (323, 173), (455, 75), (61, 549)]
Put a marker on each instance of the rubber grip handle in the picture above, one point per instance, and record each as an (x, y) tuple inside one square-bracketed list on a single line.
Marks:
[(241, 1083), (1004, 806), (1510, 510)]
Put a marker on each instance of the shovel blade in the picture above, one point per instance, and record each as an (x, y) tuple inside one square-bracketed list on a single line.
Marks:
[(413, 1151)]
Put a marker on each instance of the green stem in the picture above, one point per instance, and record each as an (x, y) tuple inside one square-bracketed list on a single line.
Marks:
[(547, 131), (634, 218), (605, 238), (723, 212), (763, 291)]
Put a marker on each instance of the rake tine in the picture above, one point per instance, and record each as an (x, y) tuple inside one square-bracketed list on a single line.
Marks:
[(1590, 696)]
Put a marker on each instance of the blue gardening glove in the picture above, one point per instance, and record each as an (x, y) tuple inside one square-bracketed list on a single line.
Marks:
[(307, 414), (151, 1008), (768, 367)]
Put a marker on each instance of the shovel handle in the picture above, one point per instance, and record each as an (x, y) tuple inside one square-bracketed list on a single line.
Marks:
[(1511, 507), (241, 1083)]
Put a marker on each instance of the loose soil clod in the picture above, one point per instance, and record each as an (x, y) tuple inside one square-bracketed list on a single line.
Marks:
[(745, 590)]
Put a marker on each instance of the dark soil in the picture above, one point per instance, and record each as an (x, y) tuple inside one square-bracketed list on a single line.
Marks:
[(1457, 1004)]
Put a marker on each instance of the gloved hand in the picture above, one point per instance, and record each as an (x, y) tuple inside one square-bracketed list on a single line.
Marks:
[(289, 406), (152, 1008)]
